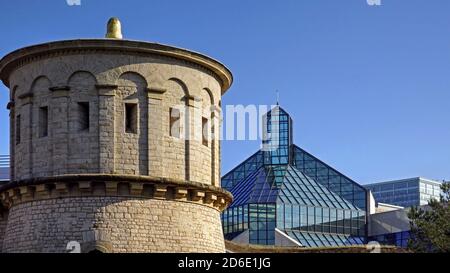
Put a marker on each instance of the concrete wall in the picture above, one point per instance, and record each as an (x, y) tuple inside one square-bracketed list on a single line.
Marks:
[(282, 239), (243, 238), (129, 225), (388, 222)]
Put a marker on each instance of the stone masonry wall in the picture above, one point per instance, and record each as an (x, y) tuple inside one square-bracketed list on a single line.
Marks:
[(129, 224), (128, 159), (3, 222), (107, 82), (42, 150), (174, 148), (51, 135), (83, 150)]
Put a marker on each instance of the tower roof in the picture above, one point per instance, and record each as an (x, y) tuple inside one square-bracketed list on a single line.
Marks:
[(278, 110), (28, 54)]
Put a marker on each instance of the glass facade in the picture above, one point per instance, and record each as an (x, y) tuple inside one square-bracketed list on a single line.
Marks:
[(330, 178), (399, 239), (407, 192), (4, 168), (242, 171), (325, 239), (277, 138), (284, 188)]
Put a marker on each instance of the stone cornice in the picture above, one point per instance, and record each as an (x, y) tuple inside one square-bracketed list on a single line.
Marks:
[(29, 54), (59, 88), (85, 185), (156, 90), (26, 95), (106, 86)]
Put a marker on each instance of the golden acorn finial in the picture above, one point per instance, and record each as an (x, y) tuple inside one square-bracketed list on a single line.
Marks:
[(114, 29)]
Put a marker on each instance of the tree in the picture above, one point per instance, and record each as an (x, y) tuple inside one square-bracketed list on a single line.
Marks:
[(430, 227)]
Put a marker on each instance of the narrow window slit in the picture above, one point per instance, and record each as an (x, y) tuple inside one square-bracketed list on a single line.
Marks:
[(174, 126), (84, 116), (43, 121), (131, 118)]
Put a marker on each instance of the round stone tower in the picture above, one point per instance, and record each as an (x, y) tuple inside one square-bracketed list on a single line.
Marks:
[(113, 148)]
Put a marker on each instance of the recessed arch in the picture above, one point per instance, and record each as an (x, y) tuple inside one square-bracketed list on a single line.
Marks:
[(178, 96), (209, 113), (210, 94), (134, 121), (12, 95), (40, 83), (132, 79), (182, 84), (82, 77)]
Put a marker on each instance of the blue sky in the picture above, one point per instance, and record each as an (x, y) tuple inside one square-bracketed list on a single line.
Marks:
[(368, 87)]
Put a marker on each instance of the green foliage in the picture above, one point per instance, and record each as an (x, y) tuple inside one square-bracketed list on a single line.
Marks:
[(430, 227)]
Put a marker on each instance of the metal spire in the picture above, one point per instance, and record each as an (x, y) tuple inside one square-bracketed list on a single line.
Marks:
[(278, 97)]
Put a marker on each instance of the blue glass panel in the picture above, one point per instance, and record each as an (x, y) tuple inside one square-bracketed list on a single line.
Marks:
[(242, 171), (330, 178), (310, 239)]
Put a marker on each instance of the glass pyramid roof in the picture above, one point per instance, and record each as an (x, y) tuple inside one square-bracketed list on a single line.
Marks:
[(282, 186), (285, 184)]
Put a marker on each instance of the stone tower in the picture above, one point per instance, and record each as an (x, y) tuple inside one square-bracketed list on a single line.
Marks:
[(112, 148)]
